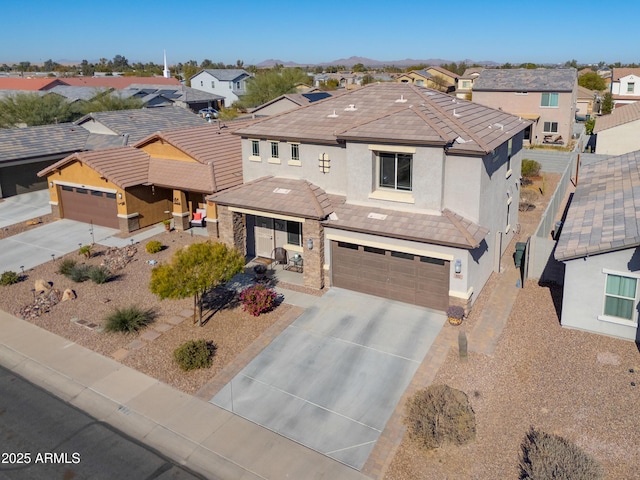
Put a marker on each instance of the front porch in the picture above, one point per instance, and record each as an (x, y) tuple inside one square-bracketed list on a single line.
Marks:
[(275, 273)]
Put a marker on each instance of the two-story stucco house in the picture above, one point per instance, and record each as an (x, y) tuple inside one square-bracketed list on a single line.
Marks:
[(625, 86), (545, 96), (393, 190), (230, 83)]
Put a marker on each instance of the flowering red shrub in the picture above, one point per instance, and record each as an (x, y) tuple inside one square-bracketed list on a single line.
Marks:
[(258, 299)]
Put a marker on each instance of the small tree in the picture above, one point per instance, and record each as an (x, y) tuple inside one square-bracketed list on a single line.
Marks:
[(195, 270), (592, 81), (607, 104)]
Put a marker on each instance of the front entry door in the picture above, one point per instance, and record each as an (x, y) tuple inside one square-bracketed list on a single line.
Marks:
[(264, 237)]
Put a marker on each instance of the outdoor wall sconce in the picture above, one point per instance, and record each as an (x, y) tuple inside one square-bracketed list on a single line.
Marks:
[(120, 196), (458, 266), (176, 201), (50, 184), (310, 244)]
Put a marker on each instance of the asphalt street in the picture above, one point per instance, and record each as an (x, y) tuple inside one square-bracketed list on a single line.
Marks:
[(42, 437)]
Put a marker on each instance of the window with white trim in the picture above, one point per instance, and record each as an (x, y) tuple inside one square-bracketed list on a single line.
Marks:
[(509, 153), (294, 233), (631, 87), (620, 296), (295, 151), (550, 127), (549, 100), (275, 152), (255, 148), (395, 171), (213, 84)]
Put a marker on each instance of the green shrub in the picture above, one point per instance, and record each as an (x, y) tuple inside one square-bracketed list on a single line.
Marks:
[(438, 415), (530, 168), (99, 275), (129, 320), (258, 299), (154, 246), (79, 273), (545, 456), (194, 354), (66, 266), (85, 250), (9, 278)]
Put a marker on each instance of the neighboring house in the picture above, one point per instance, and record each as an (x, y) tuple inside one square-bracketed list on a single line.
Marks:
[(165, 175), (466, 81), (450, 78), (546, 96), (618, 132), (625, 86), (587, 103), (420, 78), (432, 77), (181, 96), (287, 102), (118, 83), (345, 80), (391, 189), (26, 151), (229, 83), (599, 245), (32, 84), (138, 123)]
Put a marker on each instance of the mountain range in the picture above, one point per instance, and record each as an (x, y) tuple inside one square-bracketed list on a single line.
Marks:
[(368, 62)]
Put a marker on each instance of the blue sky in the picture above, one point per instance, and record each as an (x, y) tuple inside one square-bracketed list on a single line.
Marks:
[(313, 32)]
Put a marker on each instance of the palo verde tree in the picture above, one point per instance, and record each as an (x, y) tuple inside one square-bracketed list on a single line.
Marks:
[(33, 109), (592, 81), (195, 270), (267, 86)]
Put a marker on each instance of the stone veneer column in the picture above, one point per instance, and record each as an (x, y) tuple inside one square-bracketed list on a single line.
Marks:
[(232, 229), (313, 259)]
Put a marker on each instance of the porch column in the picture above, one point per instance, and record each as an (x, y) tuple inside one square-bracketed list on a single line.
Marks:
[(314, 258), (180, 210), (232, 227)]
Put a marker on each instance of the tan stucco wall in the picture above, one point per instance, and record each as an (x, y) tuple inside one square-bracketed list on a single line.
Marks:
[(159, 149), (150, 204), (619, 140)]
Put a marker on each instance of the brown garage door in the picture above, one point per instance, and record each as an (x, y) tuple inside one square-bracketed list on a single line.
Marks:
[(399, 276), (90, 206)]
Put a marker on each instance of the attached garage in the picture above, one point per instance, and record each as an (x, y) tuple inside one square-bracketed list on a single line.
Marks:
[(89, 206), (408, 278), (18, 179)]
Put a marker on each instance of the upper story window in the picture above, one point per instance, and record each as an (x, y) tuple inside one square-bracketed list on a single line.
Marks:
[(275, 152), (295, 151), (213, 84), (202, 83), (420, 83), (395, 171), (230, 85), (549, 100), (509, 153), (631, 87), (238, 85), (466, 84), (620, 297), (255, 148)]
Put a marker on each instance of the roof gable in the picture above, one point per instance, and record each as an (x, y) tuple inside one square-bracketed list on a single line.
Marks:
[(224, 74), (619, 116)]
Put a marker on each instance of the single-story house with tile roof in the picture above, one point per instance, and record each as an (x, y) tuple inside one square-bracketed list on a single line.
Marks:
[(138, 123), (547, 96), (287, 102), (599, 245), (165, 175), (617, 133), (26, 151), (391, 189), (32, 84)]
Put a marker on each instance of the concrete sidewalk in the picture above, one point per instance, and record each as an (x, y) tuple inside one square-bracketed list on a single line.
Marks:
[(206, 438)]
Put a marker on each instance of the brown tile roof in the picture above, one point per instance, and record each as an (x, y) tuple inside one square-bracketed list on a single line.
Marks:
[(604, 214), (618, 73), (8, 83), (394, 113), (124, 166), (285, 196), (447, 229), (211, 143), (118, 82), (620, 115), (585, 93), (183, 175)]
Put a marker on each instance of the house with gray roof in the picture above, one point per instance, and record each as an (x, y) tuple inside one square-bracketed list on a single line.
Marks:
[(599, 245), (391, 189), (26, 151), (138, 123), (617, 132), (230, 83), (287, 102), (545, 96)]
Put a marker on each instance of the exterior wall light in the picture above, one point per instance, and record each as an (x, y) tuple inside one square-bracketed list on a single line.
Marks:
[(50, 184), (310, 244), (458, 266), (120, 196)]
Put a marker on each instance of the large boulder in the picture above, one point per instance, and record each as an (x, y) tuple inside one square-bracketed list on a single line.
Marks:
[(41, 286)]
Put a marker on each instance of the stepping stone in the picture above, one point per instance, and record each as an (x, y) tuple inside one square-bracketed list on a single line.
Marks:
[(176, 320), (136, 345), (149, 335), (186, 313), (162, 327), (120, 354)]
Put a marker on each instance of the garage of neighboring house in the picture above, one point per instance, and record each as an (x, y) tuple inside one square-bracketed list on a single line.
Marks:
[(89, 205), (405, 277), (22, 178)]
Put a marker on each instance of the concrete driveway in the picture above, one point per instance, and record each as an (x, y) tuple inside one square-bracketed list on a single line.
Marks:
[(52, 240), (21, 208), (333, 378)]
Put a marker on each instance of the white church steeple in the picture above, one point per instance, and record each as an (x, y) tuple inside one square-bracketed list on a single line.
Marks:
[(165, 72)]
